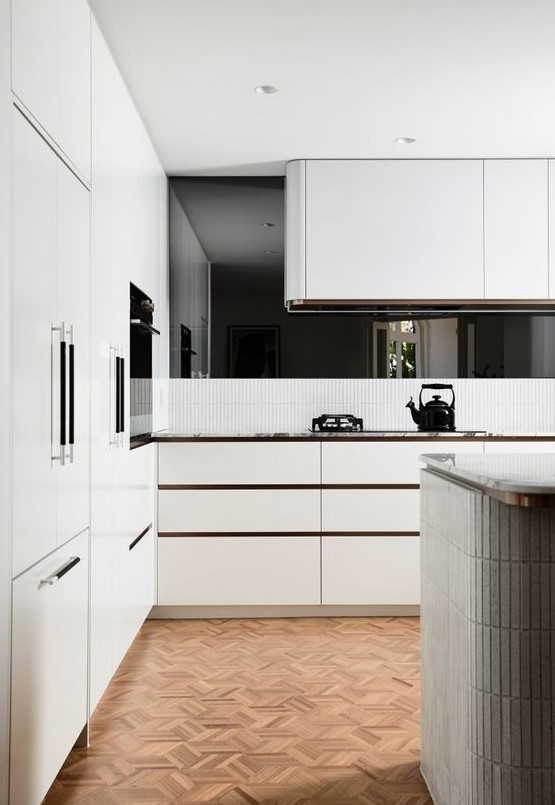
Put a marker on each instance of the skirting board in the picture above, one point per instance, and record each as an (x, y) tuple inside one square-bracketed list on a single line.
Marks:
[(317, 611)]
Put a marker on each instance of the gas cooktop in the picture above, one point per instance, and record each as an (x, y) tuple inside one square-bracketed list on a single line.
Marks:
[(337, 423)]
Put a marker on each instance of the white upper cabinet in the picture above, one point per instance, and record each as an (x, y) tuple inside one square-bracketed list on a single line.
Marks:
[(386, 229), (51, 71), (515, 228)]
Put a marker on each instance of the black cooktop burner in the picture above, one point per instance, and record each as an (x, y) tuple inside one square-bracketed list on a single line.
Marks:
[(336, 423)]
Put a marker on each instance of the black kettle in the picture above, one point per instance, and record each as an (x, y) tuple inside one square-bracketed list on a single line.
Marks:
[(436, 414)]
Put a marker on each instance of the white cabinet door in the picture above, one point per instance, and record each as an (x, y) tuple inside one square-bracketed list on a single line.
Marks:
[(239, 463), (375, 510), (133, 591), (394, 229), (239, 510), (51, 69), (383, 462), (227, 571), (515, 228), (35, 345), (371, 570), (49, 669), (73, 310)]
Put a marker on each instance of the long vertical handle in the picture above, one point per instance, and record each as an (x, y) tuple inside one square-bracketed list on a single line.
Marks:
[(122, 395), (112, 395), (118, 394), (71, 438), (63, 400)]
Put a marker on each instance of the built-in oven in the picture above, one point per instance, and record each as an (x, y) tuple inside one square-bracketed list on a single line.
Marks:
[(140, 361)]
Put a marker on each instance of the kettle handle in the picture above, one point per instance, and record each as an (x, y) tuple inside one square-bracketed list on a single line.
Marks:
[(437, 386)]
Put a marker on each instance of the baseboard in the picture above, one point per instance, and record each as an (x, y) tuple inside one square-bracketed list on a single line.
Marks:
[(317, 611)]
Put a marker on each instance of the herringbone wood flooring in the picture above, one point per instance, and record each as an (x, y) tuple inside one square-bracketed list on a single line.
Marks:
[(311, 711)]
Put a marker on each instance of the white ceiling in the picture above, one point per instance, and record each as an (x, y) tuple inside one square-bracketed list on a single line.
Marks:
[(466, 78)]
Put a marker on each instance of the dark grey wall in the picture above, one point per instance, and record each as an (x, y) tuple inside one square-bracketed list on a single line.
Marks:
[(310, 345)]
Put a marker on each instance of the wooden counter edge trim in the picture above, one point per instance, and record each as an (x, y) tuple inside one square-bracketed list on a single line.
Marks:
[(171, 534), (524, 500), (174, 487)]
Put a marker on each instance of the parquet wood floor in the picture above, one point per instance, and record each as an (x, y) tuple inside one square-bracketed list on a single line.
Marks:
[(310, 711)]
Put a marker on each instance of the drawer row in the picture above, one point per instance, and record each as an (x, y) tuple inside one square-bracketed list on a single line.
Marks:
[(287, 462), (288, 571), (280, 511)]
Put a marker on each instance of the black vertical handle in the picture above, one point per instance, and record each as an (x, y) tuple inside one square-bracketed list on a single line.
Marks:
[(118, 394), (122, 395), (62, 393), (71, 394)]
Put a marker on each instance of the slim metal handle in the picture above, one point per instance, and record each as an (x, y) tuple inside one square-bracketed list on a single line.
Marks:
[(118, 394), (139, 538), (122, 395), (71, 394), (58, 574)]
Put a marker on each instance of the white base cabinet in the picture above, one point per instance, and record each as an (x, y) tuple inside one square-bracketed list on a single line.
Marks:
[(239, 570), (49, 668), (371, 570)]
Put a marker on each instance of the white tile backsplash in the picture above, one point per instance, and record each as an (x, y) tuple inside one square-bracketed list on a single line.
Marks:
[(288, 405)]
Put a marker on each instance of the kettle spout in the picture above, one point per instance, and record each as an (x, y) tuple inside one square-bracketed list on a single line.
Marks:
[(415, 413)]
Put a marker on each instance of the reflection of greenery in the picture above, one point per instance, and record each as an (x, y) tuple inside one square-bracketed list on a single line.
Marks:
[(408, 359)]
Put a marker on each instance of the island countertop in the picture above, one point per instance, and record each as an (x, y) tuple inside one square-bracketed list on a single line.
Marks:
[(523, 479)]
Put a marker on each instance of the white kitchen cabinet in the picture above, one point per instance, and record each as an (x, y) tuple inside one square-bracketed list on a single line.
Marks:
[(51, 71), (127, 236), (517, 446), (384, 462), (239, 510), (50, 279), (253, 570), (388, 229), (248, 462), (49, 668), (516, 228), (371, 570), (376, 510)]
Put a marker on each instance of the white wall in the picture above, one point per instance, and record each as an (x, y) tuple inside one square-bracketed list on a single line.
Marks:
[(288, 405), (189, 272), (5, 393)]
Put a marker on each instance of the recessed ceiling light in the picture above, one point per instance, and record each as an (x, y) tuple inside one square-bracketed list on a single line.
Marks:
[(267, 223), (405, 140), (266, 89), (268, 252)]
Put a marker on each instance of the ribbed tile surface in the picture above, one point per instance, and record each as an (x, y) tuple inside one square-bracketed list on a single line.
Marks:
[(488, 648), (288, 405)]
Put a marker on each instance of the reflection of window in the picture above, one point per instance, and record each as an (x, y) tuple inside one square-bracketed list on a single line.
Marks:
[(396, 349)]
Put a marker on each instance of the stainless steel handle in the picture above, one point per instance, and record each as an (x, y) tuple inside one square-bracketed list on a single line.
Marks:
[(58, 444), (58, 574)]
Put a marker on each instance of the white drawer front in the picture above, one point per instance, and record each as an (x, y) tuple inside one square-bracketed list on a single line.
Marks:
[(49, 670), (370, 510), (520, 447), (238, 570), (239, 463), (241, 510), (370, 570), (383, 462)]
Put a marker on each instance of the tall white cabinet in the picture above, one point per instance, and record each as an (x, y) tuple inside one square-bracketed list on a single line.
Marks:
[(50, 464), (81, 569), (127, 245)]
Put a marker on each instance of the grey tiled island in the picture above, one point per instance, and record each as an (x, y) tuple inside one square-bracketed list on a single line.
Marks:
[(488, 629)]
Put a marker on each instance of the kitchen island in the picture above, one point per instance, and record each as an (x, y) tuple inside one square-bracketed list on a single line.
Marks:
[(488, 628)]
